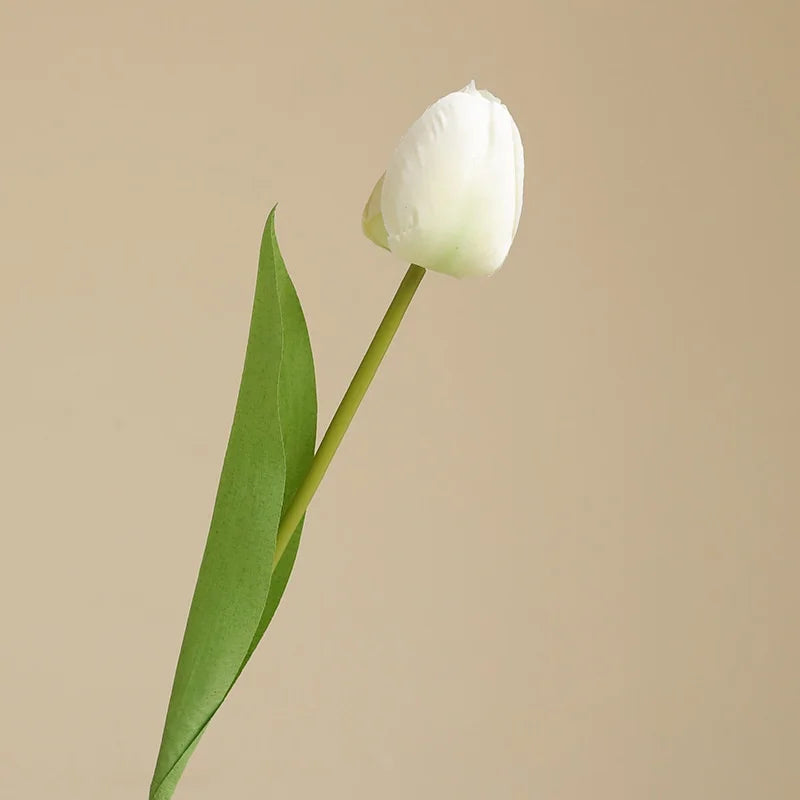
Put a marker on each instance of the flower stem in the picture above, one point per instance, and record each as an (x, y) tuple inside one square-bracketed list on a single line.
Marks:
[(348, 407)]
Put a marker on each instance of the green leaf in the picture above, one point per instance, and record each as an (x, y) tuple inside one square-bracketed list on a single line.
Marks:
[(270, 449)]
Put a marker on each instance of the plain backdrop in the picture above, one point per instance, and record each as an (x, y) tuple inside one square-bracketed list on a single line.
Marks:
[(557, 554)]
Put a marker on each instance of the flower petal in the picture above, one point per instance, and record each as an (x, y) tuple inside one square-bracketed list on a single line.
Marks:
[(372, 219), (450, 194)]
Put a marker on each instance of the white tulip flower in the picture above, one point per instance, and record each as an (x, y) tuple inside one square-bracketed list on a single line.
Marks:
[(451, 197)]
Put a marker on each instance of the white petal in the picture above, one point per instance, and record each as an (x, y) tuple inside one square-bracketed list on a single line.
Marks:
[(519, 172), (372, 219), (451, 194)]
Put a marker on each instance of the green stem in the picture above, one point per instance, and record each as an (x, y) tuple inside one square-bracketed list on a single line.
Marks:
[(348, 407)]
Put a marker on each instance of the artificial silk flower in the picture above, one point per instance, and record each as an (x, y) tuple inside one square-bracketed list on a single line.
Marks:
[(449, 201), (451, 197)]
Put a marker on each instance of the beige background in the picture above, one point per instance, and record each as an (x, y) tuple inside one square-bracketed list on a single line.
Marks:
[(557, 555)]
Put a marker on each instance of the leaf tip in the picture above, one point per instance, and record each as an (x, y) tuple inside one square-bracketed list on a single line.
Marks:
[(268, 236)]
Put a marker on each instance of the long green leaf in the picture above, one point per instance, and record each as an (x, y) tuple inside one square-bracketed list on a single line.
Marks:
[(269, 451)]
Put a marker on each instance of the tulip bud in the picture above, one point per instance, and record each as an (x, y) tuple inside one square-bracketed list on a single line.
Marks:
[(451, 197)]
